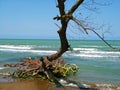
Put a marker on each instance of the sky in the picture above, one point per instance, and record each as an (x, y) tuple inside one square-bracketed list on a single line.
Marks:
[(33, 19)]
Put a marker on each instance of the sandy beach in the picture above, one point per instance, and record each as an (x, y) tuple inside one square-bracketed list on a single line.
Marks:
[(39, 84), (30, 84)]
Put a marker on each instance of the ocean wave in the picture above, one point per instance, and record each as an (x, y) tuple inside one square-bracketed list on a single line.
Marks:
[(95, 55), (93, 46), (15, 47), (31, 51), (90, 86), (84, 49), (92, 52), (78, 52), (26, 48), (2, 68)]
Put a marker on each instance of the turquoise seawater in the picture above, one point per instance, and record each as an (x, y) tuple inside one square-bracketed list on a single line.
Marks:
[(97, 62)]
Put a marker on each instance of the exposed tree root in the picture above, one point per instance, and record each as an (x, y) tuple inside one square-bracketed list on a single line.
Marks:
[(43, 68)]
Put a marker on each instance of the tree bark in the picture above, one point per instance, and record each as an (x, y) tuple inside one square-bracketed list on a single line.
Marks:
[(64, 18)]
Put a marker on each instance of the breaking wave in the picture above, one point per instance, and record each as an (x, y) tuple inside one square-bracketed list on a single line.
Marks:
[(77, 52), (23, 48), (93, 52), (15, 47)]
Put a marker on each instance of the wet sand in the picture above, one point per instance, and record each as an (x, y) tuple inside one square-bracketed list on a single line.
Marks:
[(30, 84), (38, 84)]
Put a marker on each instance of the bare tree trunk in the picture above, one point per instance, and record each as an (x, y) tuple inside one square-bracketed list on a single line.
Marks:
[(64, 43), (64, 18)]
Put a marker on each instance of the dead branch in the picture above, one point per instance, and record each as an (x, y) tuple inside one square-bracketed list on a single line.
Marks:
[(75, 6), (92, 29), (80, 24), (102, 38)]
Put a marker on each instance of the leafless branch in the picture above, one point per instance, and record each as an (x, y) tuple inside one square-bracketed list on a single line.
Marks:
[(80, 24), (93, 30), (75, 6)]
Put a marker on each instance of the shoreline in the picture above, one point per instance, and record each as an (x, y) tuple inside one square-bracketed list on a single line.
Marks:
[(29, 84), (40, 84)]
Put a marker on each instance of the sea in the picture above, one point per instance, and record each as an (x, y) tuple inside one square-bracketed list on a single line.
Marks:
[(97, 62)]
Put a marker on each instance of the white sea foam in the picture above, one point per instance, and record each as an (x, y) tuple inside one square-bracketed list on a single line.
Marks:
[(2, 68), (32, 51), (96, 55), (24, 48), (87, 55), (66, 83), (92, 52), (71, 85), (84, 49), (78, 52), (93, 46), (14, 47), (62, 81)]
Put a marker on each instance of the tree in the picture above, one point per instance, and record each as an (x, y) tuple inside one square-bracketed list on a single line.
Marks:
[(52, 66), (65, 18)]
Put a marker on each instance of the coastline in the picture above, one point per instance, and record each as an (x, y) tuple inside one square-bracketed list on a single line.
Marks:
[(39, 84), (29, 84)]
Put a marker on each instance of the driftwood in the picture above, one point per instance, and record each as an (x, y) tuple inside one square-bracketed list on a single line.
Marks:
[(43, 68)]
